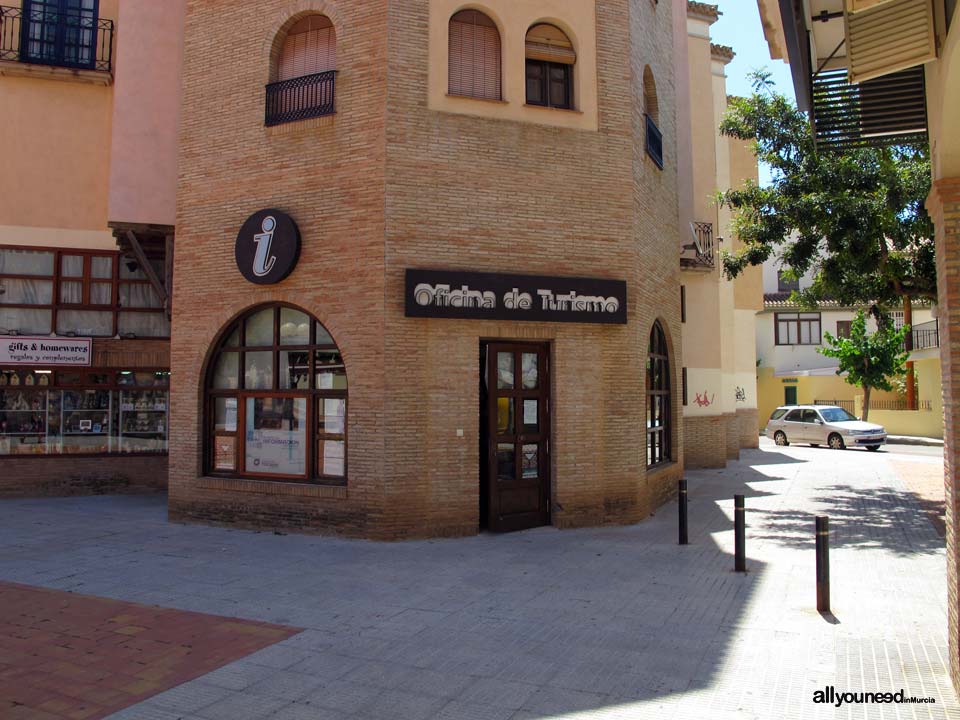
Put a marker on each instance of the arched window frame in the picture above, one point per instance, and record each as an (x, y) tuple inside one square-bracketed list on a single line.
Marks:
[(550, 67), (651, 114), (481, 74), (302, 87), (317, 387), (659, 420)]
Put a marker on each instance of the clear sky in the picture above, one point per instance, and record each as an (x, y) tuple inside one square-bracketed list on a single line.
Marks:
[(739, 27)]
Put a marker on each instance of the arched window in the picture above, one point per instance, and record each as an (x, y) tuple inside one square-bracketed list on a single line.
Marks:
[(659, 424), (651, 112), (305, 72), (550, 61), (310, 48), (277, 400), (474, 67)]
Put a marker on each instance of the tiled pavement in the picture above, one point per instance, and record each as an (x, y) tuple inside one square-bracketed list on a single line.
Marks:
[(596, 623)]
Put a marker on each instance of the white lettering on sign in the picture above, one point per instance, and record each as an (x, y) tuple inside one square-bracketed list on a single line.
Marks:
[(263, 261), (45, 351), (427, 295)]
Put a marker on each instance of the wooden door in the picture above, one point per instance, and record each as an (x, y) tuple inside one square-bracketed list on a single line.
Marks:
[(517, 436)]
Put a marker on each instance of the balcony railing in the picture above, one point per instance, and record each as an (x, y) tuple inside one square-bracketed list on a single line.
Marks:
[(701, 252), (926, 335), (301, 98), (654, 142), (78, 39)]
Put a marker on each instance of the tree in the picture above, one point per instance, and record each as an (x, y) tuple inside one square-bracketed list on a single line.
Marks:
[(870, 361), (857, 217)]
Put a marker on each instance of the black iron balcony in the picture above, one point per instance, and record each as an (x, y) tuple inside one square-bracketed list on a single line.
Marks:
[(654, 142), (301, 98), (701, 252), (75, 39), (926, 335)]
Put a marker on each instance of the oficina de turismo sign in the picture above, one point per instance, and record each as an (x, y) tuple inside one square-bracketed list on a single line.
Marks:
[(18, 350), (533, 298)]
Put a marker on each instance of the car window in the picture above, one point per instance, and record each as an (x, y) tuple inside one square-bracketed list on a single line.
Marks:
[(810, 416), (778, 413), (795, 416), (836, 415)]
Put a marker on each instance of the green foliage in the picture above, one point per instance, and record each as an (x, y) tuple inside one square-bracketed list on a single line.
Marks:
[(869, 360), (857, 218)]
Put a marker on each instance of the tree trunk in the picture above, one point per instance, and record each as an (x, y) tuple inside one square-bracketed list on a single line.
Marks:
[(866, 402), (908, 346)]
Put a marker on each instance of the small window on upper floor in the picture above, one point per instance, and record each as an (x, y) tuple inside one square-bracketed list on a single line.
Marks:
[(305, 73), (474, 66), (550, 62), (786, 284), (651, 112)]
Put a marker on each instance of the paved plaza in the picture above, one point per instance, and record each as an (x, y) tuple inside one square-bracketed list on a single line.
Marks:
[(616, 622)]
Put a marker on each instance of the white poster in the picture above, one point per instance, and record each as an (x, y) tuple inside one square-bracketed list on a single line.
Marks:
[(276, 442), (16, 350)]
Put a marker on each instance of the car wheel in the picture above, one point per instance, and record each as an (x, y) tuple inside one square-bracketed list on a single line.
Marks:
[(780, 439), (873, 448), (835, 442)]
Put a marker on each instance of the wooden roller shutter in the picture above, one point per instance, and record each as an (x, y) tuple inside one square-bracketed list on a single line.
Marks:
[(474, 66), (890, 36), (310, 48), (550, 43)]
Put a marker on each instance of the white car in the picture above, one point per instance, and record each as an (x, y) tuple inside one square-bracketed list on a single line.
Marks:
[(823, 425)]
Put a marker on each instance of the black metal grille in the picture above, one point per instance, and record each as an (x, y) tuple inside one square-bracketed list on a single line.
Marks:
[(301, 98), (703, 247), (890, 110), (50, 36), (926, 335), (654, 142)]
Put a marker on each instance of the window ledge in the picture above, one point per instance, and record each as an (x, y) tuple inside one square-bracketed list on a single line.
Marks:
[(663, 467), (295, 126), (51, 72), (269, 487), (572, 111), (478, 99)]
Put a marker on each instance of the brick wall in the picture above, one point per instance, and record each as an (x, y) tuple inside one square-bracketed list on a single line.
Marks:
[(733, 436), (705, 445), (388, 184), (944, 206), (747, 422), (66, 476)]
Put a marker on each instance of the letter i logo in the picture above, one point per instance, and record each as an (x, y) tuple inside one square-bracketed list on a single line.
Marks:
[(263, 261)]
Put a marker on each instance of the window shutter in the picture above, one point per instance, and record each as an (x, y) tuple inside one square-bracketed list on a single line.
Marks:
[(548, 43), (309, 52), (890, 36), (474, 65)]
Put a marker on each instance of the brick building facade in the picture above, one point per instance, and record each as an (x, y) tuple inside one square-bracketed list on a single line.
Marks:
[(401, 179)]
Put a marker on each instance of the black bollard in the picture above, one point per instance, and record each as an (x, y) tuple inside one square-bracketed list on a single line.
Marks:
[(740, 534), (682, 502), (823, 564)]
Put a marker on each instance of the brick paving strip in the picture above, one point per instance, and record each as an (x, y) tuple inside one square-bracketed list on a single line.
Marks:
[(64, 655), (925, 481)]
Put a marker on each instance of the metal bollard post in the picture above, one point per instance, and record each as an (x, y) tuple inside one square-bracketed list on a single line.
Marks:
[(740, 534), (823, 564), (682, 502)]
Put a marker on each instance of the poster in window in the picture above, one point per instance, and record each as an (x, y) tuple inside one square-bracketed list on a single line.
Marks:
[(225, 453), (276, 436)]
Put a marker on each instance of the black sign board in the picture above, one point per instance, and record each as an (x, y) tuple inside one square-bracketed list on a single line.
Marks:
[(492, 296), (268, 247)]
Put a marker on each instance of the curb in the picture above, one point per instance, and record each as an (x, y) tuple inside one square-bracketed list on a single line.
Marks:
[(909, 440)]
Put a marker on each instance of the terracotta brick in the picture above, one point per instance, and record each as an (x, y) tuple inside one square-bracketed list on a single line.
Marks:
[(385, 185)]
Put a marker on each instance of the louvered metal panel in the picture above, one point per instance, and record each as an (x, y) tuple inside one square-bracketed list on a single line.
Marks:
[(891, 110), (889, 37)]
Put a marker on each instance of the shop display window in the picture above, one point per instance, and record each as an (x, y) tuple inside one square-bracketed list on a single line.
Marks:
[(83, 412), (277, 400)]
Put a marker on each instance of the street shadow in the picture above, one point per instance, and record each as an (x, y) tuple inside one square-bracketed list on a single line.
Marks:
[(881, 517)]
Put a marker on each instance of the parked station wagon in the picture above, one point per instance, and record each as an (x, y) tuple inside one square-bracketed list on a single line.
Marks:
[(823, 425)]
